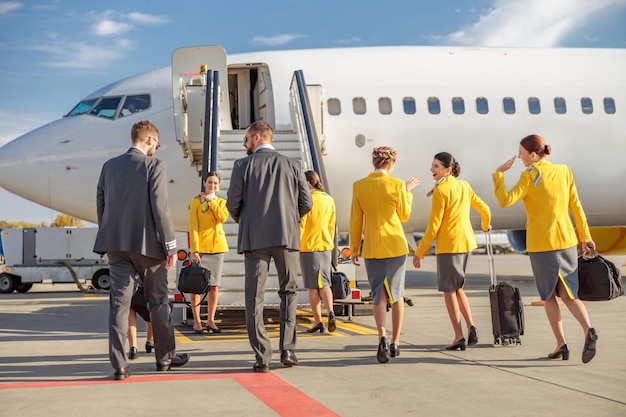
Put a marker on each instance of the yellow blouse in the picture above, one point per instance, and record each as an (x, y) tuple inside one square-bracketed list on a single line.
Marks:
[(206, 233), (380, 204), (450, 218), (548, 223), (317, 227)]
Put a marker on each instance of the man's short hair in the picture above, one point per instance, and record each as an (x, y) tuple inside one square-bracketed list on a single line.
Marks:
[(263, 129), (141, 130)]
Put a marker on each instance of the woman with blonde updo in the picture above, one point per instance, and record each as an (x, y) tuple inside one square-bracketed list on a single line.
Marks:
[(380, 204), (549, 195)]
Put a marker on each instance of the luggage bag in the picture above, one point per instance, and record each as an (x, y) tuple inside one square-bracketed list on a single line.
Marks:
[(599, 279), (507, 310), (340, 284)]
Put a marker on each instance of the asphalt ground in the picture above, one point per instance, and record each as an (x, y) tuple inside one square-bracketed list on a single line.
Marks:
[(54, 360)]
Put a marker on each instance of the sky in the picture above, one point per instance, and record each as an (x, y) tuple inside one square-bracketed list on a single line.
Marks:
[(55, 52)]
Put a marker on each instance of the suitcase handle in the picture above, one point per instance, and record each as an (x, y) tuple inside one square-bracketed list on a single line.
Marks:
[(492, 268)]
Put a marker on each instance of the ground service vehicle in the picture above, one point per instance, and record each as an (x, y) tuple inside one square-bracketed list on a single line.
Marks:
[(50, 255)]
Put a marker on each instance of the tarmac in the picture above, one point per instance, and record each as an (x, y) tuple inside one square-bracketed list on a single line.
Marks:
[(54, 360)]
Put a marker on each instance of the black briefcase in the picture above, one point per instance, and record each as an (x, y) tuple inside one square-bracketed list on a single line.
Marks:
[(599, 279)]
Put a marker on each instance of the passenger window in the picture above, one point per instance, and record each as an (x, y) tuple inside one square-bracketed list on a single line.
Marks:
[(82, 107), (409, 105), (433, 105), (334, 106), (508, 104), (358, 105), (534, 107), (384, 105), (458, 105), (559, 105), (482, 105), (134, 104), (609, 105), (106, 107), (587, 105)]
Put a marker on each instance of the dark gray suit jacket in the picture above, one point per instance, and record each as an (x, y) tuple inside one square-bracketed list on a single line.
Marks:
[(268, 195), (133, 214)]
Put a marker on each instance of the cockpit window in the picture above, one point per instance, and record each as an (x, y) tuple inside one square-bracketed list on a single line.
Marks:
[(82, 107), (106, 107), (134, 104)]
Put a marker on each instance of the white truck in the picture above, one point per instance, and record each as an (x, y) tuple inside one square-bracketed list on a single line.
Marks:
[(51, 255)]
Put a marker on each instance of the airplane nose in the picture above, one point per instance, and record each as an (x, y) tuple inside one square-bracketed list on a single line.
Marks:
[(24, 166)]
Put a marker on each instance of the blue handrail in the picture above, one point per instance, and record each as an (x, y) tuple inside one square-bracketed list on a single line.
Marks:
[(211, 117), (307, 121)]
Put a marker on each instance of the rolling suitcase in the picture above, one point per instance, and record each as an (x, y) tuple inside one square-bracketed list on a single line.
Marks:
[(507, 311)]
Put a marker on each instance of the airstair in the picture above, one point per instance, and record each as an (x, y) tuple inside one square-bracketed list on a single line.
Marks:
[(207, 140)]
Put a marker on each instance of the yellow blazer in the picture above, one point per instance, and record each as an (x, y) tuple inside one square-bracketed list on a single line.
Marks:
[(317, 227), (548, 224), (380, 203), (206, 233), (450, 218)]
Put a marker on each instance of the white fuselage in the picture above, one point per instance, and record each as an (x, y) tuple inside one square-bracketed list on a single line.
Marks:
[(57, 165)]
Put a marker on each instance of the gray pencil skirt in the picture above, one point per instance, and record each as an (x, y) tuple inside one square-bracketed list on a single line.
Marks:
[(451, 271), (550, 267), (386, 274), (315, 268), (213, 262)]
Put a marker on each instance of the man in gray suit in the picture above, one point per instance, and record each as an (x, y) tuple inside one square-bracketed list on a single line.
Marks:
[(268, 195), (136, 233)]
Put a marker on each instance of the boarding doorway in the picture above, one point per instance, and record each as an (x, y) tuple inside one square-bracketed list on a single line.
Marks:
[(250, 95)]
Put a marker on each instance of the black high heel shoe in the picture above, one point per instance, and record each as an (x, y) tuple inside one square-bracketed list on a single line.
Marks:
[(149, 346), (213, 329), (383, 351), (472, 338), (394, 350), (132, 354), (589, 351), (562, 352), (459, 344), (319, 326)]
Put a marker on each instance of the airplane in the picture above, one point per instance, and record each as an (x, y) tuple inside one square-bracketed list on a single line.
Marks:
[(331, 107)]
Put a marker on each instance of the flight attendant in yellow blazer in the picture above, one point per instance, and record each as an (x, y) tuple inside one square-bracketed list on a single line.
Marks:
[(317, 240), (549, 195), (207, 214), (380, 204), (450, 223)]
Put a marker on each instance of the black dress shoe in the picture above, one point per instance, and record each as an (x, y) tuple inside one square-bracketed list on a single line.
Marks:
[(319, 326), (177, 361), (562, 352), (260, 367), (132, 354), (332, 322), (383, 351), (196, 331), (589, 351), (121, 373), (288, 358), (459, 344), (394, 350), (149, 346), (472, 338)]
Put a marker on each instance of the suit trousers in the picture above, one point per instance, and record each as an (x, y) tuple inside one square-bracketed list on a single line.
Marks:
[(257, 267), (124, 267)]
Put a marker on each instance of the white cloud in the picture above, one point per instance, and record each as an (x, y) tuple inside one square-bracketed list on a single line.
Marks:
[(146, 19), (9, 6), (276, 40), (83, 55), (529, 23), (109, 28)]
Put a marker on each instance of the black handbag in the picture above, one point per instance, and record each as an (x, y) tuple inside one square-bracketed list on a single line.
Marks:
[(340, 285), (598, 279), (139, 304), (194, 279)]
